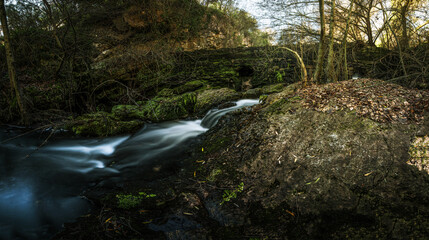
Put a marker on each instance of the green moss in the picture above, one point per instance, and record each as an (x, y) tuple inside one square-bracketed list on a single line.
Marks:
[(102, 124), (277, 107), (158, 109), (127, 201), (213, 174), (189, 87), (275, 88), (253, 93), (213, 97), (166, 92)]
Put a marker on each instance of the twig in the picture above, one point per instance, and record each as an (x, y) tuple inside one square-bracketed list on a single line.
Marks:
[(26, 133), (42, 144)]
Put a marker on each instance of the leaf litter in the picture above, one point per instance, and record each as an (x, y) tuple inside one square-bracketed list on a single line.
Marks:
[(372, 98)]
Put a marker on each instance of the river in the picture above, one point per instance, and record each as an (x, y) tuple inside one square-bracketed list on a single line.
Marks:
[(41, 187)]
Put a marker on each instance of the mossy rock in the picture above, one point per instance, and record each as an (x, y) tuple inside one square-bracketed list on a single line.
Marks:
[(166, 92), (158, 109), (211, 98), (274, 88), (253, 93), (189, 87), (101, 124), (127, 112)]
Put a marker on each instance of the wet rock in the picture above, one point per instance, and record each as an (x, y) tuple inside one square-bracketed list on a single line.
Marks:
[(212, 98)]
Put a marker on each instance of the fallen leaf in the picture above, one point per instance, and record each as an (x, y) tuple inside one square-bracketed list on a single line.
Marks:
[(291, 213)]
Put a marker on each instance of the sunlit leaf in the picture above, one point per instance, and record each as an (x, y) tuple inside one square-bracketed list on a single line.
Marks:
[(291, 213)]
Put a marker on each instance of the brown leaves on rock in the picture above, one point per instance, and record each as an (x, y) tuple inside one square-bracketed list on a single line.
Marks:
[(371, 98), (419, 153)]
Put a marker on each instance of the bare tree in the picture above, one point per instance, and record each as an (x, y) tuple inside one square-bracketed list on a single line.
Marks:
[(321, 52), (11, 62), (344, 52), (330, 71)]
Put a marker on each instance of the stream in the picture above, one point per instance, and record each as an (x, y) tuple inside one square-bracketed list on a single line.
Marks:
[(40, 188)]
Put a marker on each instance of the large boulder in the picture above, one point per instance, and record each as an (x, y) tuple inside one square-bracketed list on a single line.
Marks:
[(102, 124), (298, 170), (212, 98), (158, 109)]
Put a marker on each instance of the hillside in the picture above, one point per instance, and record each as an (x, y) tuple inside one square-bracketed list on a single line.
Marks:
[(63, 67)]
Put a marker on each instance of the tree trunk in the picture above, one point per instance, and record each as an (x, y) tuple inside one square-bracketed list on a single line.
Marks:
[(330, 70), (304, 76), (404, 38), (11, 62), (368, 24), (321, 52), (345, 67), (398, 43)]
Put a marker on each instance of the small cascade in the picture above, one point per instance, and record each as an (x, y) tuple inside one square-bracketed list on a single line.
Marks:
[(40, 187)]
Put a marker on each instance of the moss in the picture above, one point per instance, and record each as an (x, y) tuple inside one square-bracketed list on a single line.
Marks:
[(213, 174), (253, 93), (166, 92), (277, 107), (102, 124), (189, 87), (158, 109), (211, 98), (275, 88)]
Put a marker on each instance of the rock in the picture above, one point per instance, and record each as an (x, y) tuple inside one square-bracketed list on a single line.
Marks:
[(253, 93), (189, 87), (316, 175), (158, 109), (102, 124), (212, 98), (275, 88)]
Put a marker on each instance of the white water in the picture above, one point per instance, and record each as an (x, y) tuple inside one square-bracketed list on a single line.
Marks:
[(39, 188)]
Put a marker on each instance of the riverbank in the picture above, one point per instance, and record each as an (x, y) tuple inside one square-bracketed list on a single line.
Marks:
[(336, 161)]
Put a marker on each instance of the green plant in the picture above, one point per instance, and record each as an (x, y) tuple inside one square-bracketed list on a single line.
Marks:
[(279, 77), (231, 194), (262, 98), (130, 201)]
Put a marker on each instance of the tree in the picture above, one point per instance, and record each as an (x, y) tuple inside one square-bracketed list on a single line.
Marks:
[(330, 71), (11, 62), (344, 52), (321, 51), (364, 12)]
